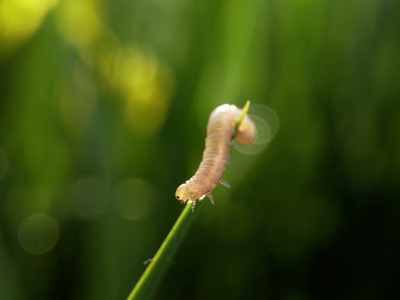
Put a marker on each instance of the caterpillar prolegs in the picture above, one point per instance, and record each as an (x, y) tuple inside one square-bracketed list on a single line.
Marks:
[(221, 129)]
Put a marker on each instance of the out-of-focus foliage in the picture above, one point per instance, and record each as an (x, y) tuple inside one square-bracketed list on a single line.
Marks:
[(103, 111), (19, 20)]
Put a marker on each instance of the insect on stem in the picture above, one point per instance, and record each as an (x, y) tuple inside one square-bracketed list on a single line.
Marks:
[(226, 122)]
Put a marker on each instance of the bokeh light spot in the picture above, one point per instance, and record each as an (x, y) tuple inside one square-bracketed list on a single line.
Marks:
[(80, 22), (20, 19), (38, 234), (267, 125), (147, 85)]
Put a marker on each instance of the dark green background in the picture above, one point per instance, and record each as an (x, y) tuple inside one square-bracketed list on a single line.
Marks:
[(106, 91)]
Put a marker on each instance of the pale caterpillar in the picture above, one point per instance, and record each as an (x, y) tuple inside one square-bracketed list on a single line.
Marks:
[(223, 125)]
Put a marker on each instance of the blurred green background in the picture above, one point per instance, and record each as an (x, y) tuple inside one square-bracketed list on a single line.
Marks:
[(103, 113)]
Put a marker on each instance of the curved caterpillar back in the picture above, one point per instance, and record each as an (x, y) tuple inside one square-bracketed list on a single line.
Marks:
[(220, 132)]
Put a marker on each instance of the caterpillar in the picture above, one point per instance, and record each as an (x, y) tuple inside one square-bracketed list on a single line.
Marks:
[(224, 124)]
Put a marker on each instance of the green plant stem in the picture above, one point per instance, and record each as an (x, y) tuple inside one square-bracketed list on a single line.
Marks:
[(146, 285), (244, 112), (150, 278)]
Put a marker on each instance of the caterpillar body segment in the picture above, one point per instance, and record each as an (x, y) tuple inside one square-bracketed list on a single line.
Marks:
[(220, 132)]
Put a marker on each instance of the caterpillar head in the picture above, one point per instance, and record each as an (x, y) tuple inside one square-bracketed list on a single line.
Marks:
[(181, 193)]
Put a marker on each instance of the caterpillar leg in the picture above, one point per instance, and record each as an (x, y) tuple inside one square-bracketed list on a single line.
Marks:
[(193, 204), (211, 198), (223, 182)]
